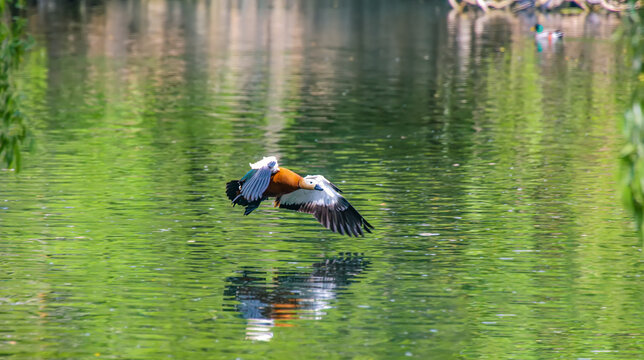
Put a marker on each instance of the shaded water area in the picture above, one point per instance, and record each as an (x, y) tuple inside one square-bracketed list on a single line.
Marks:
[(486, 162)]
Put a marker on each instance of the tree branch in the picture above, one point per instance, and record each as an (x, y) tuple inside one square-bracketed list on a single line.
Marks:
[(483, 5), (501, 4)]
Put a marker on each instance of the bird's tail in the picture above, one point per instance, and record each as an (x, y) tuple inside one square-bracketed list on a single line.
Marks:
[(558, 33), (252, 206), (233, 191)]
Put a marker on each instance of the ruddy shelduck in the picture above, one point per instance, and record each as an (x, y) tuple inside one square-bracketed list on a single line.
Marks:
[(311, 194)]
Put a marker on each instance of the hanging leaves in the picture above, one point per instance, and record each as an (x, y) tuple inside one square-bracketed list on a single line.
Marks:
[(13, 44), (632, 155)]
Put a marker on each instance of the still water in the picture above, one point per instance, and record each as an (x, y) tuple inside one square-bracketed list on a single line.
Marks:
[(486, 162)]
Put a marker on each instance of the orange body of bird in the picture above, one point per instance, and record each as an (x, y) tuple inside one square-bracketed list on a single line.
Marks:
[(283, 182)]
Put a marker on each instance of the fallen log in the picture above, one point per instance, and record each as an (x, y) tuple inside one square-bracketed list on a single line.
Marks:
[(585, 5)]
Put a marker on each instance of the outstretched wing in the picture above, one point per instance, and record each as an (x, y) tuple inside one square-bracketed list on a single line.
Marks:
[(254, 187), (329, 207), (256, 180)]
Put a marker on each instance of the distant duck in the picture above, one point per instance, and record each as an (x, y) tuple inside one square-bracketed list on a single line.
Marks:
[(542, 35), (312, 194)]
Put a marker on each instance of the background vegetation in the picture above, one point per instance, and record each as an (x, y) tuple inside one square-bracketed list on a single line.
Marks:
[(13, 43), (633, 125)]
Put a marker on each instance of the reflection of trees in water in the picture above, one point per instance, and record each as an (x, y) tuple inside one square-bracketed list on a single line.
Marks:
[(12, 47), (292, 73), (209, 61), (291, 295)]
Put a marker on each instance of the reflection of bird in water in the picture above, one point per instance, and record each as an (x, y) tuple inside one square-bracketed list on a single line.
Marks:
[(312, 194), (291, 295)]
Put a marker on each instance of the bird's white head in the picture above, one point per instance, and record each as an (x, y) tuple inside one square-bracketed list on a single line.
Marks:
[(311, 182), (270, 161)]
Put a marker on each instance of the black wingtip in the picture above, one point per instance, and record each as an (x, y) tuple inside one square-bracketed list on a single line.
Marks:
[(349, 222), (233, 192), (339, 217), (368, 227), (232, 189)]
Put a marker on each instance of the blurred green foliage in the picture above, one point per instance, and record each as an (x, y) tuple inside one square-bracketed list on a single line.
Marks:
[(13, 44), (632, 156)]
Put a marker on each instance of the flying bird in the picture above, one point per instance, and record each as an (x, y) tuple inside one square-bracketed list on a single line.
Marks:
[(311, 194)]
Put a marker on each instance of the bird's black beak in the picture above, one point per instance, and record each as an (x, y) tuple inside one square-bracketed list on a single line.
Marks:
[(318, 187)]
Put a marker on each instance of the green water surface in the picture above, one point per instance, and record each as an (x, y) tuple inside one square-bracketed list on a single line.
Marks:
[(486, 162)]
